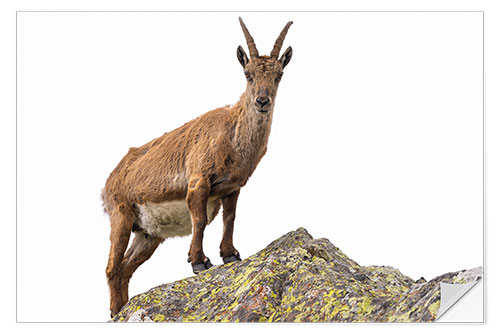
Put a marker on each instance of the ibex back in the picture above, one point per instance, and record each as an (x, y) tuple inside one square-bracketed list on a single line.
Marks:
[(175, 184)]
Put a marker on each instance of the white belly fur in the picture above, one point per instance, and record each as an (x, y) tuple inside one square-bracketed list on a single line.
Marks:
[(170, 218)]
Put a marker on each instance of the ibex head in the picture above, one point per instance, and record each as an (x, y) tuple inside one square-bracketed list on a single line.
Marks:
[(263, 73)]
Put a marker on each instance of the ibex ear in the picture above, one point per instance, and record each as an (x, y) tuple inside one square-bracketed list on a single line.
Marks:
[(286, 56), (242, 56)]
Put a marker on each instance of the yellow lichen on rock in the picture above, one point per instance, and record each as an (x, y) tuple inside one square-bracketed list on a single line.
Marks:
[(294, 279)]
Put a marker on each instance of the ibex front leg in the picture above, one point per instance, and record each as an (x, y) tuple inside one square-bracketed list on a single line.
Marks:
[(227, 250), (197, 197)]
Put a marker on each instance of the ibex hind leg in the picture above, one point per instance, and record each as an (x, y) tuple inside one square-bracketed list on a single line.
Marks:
[(122, 218), (142, 248)]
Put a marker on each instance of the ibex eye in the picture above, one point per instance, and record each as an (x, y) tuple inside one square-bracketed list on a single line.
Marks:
[(248, 76), (278, 78)]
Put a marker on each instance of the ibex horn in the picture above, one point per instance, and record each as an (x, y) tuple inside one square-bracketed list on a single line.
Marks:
[(279, 41), (251, 44)]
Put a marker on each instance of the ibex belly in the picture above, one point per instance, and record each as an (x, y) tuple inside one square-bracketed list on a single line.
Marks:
[(171, 218)]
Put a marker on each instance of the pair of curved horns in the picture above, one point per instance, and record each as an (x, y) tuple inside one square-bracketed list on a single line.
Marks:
[(277, 45)]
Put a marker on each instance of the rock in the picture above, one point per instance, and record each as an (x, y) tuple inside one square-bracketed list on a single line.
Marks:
[(421, 280), (295, 278)]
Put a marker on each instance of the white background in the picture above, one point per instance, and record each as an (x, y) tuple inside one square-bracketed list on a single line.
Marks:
[(376, 141), (379, 173)]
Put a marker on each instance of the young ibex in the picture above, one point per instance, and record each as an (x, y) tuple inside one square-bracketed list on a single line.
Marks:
[(175, 184)]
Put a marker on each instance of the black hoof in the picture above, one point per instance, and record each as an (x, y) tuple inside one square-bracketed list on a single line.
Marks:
[(201, 266), (234, 257)]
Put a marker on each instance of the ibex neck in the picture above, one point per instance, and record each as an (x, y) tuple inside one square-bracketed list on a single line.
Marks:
[(252, 130)]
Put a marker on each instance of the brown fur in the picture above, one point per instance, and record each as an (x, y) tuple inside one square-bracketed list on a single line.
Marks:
[(212, 156)]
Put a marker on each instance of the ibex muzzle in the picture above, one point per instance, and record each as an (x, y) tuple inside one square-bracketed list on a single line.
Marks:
[(263, 101), (175, 184)]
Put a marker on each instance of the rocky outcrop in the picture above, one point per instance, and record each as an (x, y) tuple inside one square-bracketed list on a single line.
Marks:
[(295, 278)]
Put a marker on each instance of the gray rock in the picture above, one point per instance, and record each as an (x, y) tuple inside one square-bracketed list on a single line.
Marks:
[(295, 278)]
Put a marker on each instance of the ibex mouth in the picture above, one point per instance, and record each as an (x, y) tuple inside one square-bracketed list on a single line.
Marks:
[(262, 111)]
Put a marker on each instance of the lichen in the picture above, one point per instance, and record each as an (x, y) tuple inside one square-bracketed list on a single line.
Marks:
[(294, 279)]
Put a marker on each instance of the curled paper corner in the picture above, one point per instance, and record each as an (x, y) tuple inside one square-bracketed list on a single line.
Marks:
[(451, 293)]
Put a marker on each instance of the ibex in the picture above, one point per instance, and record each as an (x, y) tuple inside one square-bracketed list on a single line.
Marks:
[(174, 185)]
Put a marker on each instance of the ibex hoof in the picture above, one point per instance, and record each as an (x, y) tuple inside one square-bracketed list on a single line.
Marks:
[(201, 266), (234, 257)]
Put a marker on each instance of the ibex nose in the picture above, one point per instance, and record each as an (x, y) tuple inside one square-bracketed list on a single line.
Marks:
[(262, 101)]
